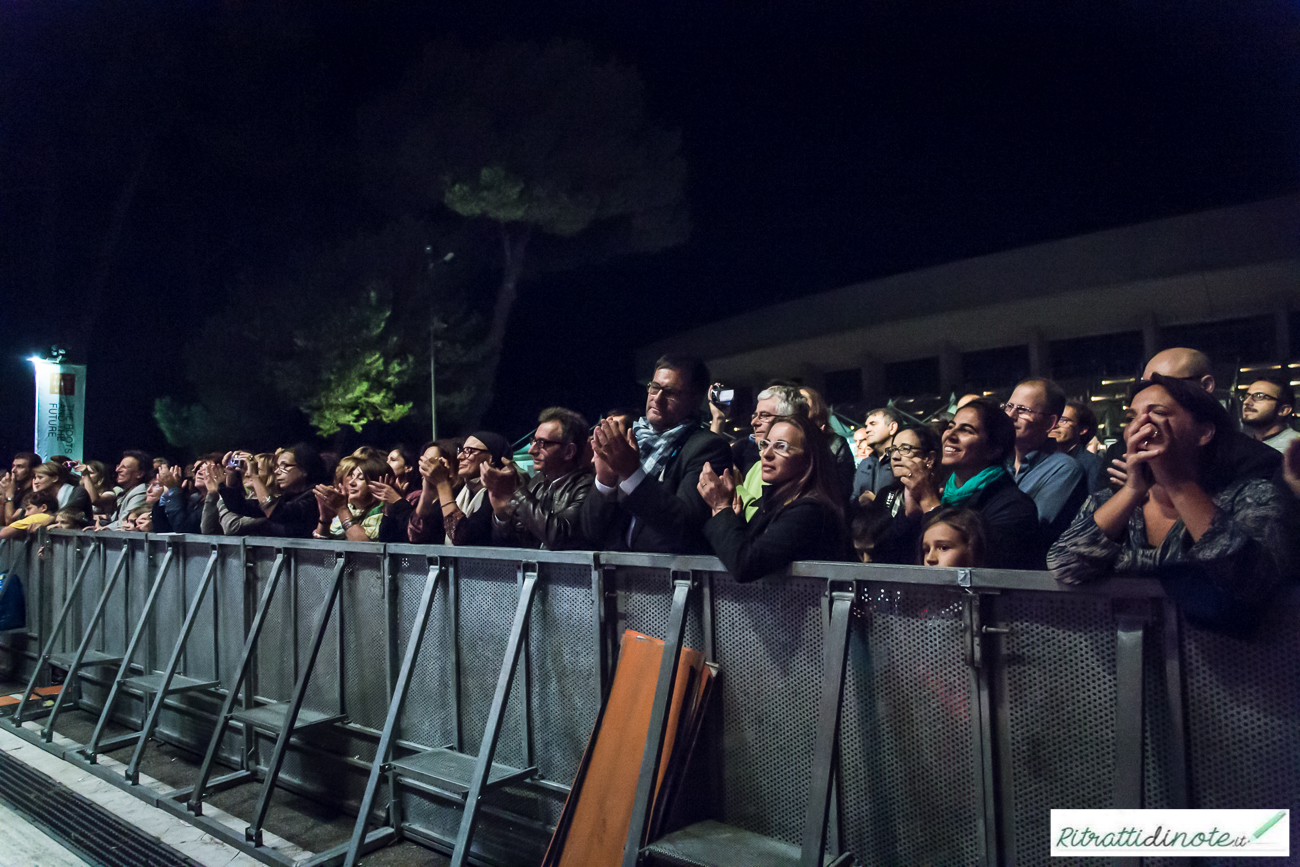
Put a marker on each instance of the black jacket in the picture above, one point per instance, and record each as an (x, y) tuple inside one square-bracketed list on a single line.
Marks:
[(546, 515), (1013, 533), (807, 529), (669, 512), (296, 516)]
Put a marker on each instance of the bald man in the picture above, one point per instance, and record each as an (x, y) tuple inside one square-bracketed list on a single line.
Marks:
[(1182, 362), (1244, 456)]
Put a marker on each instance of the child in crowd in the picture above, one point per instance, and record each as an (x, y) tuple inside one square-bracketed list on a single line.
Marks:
[(69, 519), (953, 538), (138, 520), (38, 510)]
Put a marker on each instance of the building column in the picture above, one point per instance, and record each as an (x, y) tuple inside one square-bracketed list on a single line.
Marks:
[(1040, 356), (950, 375), (1150, 337)]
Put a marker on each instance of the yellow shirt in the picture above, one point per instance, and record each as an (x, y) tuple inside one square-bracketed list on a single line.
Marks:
[(40, 519)]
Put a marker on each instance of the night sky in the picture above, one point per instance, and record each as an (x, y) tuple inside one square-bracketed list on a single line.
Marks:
[(826, 143)]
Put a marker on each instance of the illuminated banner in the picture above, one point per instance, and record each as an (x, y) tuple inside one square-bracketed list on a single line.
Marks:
[(60, 409)]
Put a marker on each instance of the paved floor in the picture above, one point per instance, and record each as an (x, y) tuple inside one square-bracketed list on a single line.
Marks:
[(300, 822)]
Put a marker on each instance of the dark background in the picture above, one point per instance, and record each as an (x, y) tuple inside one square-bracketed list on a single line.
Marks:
[(827, 144)]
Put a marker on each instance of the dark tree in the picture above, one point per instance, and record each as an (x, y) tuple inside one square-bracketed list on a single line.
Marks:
[(527, 140)]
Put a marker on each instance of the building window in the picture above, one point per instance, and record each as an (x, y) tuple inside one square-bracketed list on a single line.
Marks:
[(1230, 341), (843, 387), (1105, 356), (913, 377), (992, 369)]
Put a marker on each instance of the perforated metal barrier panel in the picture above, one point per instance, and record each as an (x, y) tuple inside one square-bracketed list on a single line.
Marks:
[(969, 711)]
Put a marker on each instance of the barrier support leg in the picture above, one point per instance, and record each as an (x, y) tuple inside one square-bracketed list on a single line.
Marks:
[(133, 768), (47, 733), (195, 804), (684, 585), (16, 719), (91, 750), (828, 728), (253, 832), (492, 732), (384, 750)]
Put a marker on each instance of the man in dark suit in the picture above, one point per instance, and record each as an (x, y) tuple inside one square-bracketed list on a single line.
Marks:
[(644, 497)]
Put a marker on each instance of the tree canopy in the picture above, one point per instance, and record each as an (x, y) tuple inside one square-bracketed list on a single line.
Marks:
[(528, 138)]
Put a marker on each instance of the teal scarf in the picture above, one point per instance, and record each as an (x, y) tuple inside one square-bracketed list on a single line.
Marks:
[(955, 494)]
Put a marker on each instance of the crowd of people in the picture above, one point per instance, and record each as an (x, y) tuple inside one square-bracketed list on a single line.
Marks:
[(1203, 501)]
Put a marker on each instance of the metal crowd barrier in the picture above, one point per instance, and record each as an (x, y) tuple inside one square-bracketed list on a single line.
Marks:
[(973, 701)]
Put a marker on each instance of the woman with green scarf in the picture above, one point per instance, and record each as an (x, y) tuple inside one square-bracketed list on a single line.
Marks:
[(973, 459)]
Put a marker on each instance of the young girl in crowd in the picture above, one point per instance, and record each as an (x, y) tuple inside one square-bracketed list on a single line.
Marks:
[(953, 538), (69, 519)]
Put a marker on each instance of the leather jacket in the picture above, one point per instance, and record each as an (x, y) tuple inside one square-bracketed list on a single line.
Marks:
[(546, 514)]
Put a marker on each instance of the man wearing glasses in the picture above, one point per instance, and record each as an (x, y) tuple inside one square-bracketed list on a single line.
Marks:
[(1051, 478), (546, 510), (1266, 412), (645, 497)]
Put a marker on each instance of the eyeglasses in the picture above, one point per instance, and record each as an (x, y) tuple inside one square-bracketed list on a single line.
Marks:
[(286, 467), (1014, 410), (763, 416), (905, 450), (781, 447), (470, 451), (1258, 396), (654, 389), (538, 442)]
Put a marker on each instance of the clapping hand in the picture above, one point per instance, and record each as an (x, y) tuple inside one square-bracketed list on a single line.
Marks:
[(435, 471), (211, 480), (501, 482), (330, 499), (385, 490), (719, 491), (615, 447), (170, 477)]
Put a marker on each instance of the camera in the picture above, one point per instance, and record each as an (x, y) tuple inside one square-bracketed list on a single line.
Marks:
[(721, 397)]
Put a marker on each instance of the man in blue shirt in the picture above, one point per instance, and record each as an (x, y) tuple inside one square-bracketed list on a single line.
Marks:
[(1073, 432), (1051, 478), (873, 471)]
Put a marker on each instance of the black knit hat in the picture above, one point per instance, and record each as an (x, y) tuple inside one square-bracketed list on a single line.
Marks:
[(497, 445)]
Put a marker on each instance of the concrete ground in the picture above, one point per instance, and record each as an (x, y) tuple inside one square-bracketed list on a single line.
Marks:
[(304, 823)]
